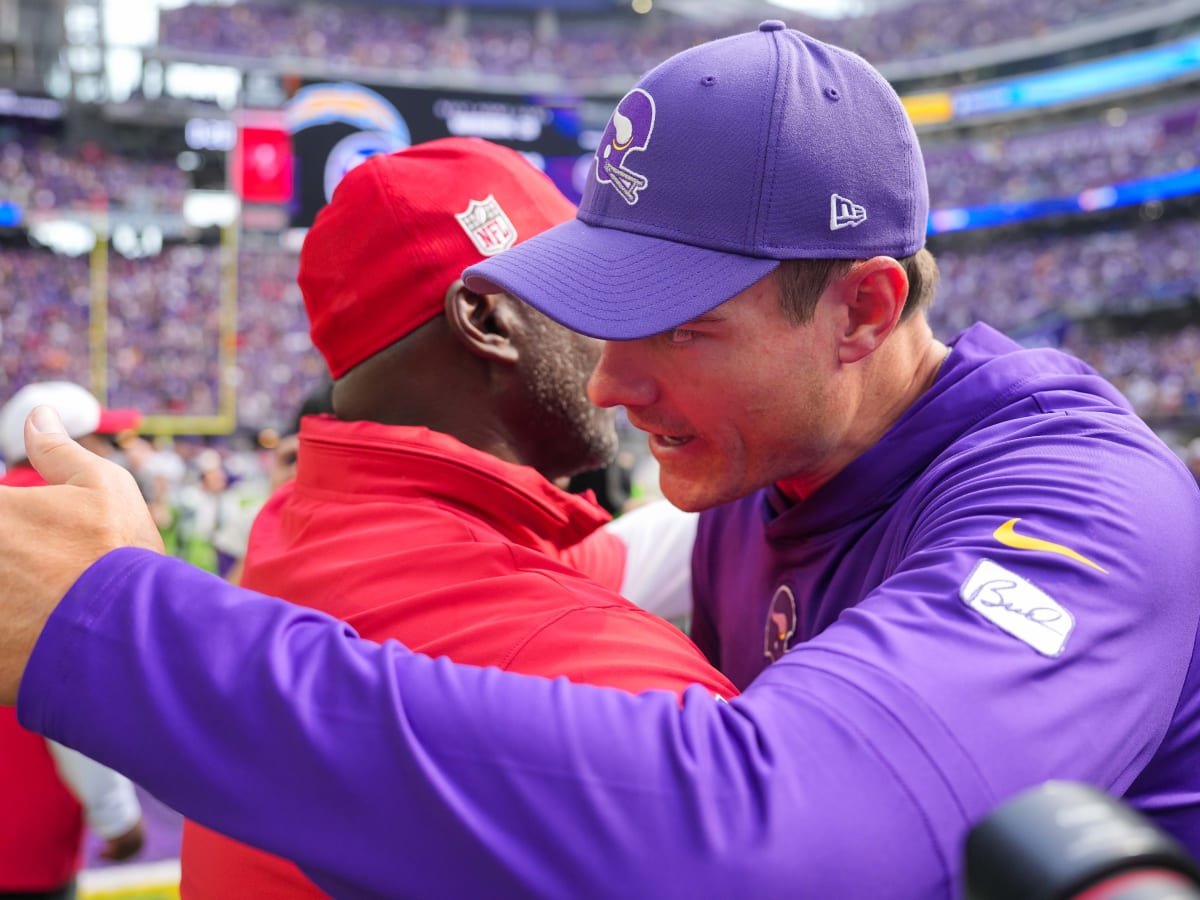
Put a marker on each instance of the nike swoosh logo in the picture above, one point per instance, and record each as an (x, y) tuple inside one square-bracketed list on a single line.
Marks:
[(1007, 535)]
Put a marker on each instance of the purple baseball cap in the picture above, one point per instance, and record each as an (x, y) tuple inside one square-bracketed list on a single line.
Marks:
[(722, 161)]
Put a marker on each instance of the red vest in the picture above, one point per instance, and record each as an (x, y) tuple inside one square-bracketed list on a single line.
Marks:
[(407, 533), (41, 823)]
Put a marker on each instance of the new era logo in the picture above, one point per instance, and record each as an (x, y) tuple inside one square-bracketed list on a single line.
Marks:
[(845, 213)]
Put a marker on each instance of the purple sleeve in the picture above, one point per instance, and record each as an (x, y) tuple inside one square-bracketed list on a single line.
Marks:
[(386, 773)]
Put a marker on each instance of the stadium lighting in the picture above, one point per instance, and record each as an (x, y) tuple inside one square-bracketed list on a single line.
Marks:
[(65, 236), (822, 9), (204, 209)]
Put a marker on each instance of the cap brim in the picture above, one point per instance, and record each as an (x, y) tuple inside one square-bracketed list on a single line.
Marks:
[(614, 284), (114, 421)]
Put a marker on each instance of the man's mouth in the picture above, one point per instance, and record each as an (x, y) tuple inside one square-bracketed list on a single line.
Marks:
[(671, 439), (662, 439)]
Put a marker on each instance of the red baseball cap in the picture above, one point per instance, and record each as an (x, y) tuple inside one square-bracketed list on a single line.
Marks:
[(400, 230)]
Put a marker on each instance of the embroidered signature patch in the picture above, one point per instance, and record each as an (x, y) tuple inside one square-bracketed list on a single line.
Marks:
[(1018, 607)]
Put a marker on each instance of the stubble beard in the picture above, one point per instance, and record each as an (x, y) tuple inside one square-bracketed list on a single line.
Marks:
[(584, 435)]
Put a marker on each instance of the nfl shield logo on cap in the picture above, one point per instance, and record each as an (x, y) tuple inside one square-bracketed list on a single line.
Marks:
[(487, 225)]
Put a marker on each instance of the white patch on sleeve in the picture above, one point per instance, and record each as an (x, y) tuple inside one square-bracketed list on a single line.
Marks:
[(1017, 606)]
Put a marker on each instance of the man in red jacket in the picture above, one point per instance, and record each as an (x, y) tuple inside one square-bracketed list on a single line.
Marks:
[(47, 792), (425, 509)]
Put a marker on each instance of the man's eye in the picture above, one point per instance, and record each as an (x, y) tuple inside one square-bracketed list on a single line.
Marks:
[(680, 335)]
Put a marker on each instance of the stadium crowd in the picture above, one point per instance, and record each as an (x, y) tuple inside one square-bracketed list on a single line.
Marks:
[(1007, 164), (1158, 373), (1013, 280), (163, 329), (164, 312), (581, 48), (44, 175), (1000, 164)]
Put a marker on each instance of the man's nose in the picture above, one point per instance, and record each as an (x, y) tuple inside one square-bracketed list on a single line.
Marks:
[(621, 377)]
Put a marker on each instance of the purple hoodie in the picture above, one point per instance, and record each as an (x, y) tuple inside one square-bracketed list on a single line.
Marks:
[(945, 657)]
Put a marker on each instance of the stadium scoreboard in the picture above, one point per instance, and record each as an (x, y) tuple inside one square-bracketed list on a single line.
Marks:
[(297, 155)]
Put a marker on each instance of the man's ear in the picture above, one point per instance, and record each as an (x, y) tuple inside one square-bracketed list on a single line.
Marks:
[(483, 323), (873, 292)]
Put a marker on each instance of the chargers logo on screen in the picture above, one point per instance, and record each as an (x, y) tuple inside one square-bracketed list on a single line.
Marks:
[(319, 104), (353, 150), (381, 127)]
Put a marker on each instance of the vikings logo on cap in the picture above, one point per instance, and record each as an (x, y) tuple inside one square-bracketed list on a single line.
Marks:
[(781, 623), (628, 132)]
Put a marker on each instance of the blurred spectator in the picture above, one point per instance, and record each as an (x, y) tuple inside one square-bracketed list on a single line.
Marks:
[(82, 415), (159, 472), (216, 509), (47, 791), (284, 447)]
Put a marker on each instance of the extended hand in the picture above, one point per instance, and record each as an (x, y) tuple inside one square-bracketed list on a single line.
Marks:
[(52, 534)]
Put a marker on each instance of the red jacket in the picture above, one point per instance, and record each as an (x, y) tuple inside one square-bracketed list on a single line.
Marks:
[(407, 533), (41, 822)]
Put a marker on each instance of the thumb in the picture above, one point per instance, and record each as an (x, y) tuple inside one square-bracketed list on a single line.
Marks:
[(57, 458)]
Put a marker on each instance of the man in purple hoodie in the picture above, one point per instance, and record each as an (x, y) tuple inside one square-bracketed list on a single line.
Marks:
[(943, 573)]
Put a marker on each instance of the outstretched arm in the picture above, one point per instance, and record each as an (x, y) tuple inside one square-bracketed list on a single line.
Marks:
[(852, 767), (390, 774), (386, 773)]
